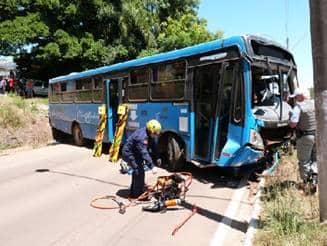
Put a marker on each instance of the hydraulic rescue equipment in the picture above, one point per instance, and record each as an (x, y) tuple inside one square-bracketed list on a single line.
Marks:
[(168, 191)]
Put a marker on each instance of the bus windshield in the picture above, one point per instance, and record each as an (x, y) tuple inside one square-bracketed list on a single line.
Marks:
[(270, 92)]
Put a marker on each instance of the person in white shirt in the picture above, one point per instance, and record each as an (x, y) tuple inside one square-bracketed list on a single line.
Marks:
[(304, 121)]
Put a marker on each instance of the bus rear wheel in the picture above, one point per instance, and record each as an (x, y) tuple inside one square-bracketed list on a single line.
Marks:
[(175, 157), (78, 135)]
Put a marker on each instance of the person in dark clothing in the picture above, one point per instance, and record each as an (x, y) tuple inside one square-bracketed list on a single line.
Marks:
[(136, 153)]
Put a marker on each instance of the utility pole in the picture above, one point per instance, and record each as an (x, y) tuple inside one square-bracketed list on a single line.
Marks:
[(318, 13)]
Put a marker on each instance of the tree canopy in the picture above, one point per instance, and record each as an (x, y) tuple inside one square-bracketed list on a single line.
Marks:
[(53, 37)]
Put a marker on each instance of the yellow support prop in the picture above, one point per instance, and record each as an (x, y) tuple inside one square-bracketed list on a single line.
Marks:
[(97, 149), (120, 127)]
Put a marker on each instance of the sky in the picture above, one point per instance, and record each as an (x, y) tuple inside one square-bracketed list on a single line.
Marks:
[(273, 19)]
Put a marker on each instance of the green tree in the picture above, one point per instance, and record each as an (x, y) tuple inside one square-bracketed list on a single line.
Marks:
[(53, 37)]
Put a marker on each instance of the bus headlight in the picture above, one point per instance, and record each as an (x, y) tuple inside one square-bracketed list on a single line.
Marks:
[(256, 140)]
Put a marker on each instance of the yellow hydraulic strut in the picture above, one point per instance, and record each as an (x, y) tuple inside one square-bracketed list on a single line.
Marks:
[(120, 127)]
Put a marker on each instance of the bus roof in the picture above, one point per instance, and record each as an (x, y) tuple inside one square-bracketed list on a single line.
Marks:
[(170, 55), (162, 57)]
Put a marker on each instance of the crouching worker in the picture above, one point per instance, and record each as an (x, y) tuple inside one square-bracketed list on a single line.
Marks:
[(136, 153)]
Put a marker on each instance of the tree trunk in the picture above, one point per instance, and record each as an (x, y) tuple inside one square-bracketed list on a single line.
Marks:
[(318, 12)]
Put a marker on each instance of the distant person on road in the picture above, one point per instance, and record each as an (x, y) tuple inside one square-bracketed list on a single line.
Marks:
[(136, 153), (304, 121)]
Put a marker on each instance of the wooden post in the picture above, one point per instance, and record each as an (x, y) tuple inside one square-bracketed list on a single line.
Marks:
[(318, 12)]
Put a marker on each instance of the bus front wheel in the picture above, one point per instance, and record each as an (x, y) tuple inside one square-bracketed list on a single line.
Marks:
[(175, 157), (78, 135)]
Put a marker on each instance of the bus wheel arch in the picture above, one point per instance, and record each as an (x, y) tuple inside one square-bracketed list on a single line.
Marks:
[(172, 149), (77, 134)]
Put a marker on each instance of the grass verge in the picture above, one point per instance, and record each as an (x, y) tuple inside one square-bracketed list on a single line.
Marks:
[(289, 217), (23, 122)]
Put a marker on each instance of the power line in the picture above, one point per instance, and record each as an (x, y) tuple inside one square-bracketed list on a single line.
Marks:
[(286, 22), (304, 36)]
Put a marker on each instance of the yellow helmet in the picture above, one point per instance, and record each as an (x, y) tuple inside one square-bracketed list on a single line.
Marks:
[(153, 126)]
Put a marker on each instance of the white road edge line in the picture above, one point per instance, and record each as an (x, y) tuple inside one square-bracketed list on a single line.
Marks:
[(224, 225), (255, 216)]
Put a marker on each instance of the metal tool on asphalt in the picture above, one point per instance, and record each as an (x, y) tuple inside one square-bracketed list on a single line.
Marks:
[(194, 211)]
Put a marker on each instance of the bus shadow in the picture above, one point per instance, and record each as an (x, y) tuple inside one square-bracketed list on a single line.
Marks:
[(218, 178), (79, 176), (235, 224), (88, 143)]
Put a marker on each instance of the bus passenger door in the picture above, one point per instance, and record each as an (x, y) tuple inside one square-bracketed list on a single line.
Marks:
[(110, 131), (115, 96), (230, 112), (206, 79)]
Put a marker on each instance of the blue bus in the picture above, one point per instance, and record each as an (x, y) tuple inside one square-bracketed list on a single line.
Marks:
[(221, 103)]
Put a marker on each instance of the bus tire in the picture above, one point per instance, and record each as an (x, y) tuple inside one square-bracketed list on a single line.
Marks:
[(77, 135), (175, 157)]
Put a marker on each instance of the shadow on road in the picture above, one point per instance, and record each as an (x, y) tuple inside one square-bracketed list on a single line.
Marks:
[(123, 193), (79, 176), (88, 144), (238, 225), (218, 178)]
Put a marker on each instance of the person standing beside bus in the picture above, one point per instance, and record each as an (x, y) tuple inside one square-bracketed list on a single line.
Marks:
[(304, 121), (136, 152)]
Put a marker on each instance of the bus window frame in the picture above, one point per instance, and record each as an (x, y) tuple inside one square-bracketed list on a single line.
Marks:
[(77, 91), (185, 79), (241, 88), (102, 89), (67, 92), (51, 93), (130, 85)]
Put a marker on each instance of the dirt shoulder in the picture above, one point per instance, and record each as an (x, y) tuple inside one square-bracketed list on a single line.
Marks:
[(290, 216), (23, 122)]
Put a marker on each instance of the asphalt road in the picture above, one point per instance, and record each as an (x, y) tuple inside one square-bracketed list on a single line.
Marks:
[(53, 207)]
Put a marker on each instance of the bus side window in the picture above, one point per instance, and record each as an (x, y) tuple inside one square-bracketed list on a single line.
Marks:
[(138, 86), (238, 102), (98, 89), (55, 93), (83, 90), (168, 81)]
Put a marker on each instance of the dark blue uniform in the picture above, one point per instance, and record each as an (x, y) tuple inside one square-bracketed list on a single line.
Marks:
[(135, 152)]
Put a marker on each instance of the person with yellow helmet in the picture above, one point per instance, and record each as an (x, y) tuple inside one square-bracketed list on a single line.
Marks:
[(136, 152)]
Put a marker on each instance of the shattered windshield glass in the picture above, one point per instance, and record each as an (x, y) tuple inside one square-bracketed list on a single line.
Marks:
[(266, 91), (270, 93)]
